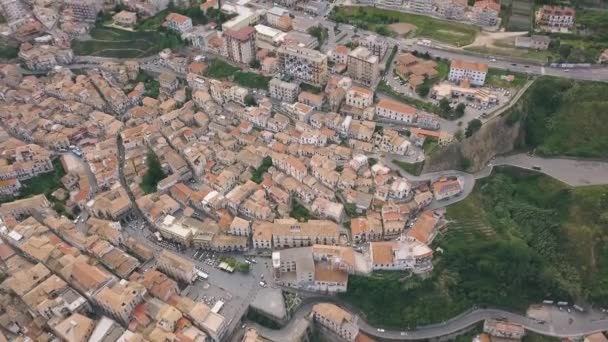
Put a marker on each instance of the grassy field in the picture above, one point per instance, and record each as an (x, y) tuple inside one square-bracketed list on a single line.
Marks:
[(493, 78), (518, 239), (110, 42), (411, 168), (511, 51), (520, 15), (564, 117), (221, 70), (370, 18)]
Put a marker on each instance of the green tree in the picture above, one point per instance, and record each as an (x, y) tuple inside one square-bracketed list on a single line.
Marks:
[(423, 89), (250, 101), (473, 126), (459, 110), (254, 64), (153, 175), (444, 106)]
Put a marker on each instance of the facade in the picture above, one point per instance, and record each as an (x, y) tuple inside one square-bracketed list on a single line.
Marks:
[(359, 97), (447, 188), (305, 64), (176, 267), (397, 111), (178, 23), (555, 17), (486, 13), (336, 319), (452, 9), (339, 55), (474, 72), (84, 10), (240, 44), (421, 6), (363, 66), (278, 17), (284, 91), (125, 18), (377, 45)]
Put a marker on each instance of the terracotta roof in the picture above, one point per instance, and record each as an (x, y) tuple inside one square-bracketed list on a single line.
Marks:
[(460, 64), (242, 35), (396, 106), (423, 228)]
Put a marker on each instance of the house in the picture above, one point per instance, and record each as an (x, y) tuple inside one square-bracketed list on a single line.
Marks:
[(555, 17), (486, 13), (336, 319), (423, 229), (179, 23), (125, 19), (404, 253), (388, 109), (447, 188)]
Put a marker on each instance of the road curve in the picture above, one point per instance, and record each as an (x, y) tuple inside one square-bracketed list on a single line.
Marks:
[(457, 324)]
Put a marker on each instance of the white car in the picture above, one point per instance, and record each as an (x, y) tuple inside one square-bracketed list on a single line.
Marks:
[(380, 330)]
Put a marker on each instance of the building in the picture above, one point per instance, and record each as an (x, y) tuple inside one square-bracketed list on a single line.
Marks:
[(447, 188), (421, 6), (304, 64), (75, 328), (486, 13), (397, 111), (240, 44), (377, 45), (504, 330), (283, 91), (363, 66), (83, 10), (119, 300), (44, 57), (452, 9), (474, 72), (267, 37), (176, 267), (125, 18), (535, 42), (336, 319), (286, 233), (359, 97), (178, 23), (555, 17), (278, 17), (339, 55), (597, 337), (405, 253)]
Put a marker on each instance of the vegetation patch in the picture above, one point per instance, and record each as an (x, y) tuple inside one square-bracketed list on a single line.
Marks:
[(564, 117), (496, 78), (299, 212), (519, 238), (411, 168), (251, 80), (376, 19), (258, 173), (153, 175), (383, 87), (221, 70)]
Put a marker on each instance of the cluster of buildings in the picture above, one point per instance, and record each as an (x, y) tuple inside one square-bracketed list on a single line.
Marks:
[(90, 285), (484, 13), (555, 18)]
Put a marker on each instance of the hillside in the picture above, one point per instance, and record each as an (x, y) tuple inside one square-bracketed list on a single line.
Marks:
[(518, 239)]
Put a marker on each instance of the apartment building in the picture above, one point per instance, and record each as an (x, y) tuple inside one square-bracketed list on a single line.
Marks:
[(278, 17), (44, 57), (125, 18), (397, 111), (119, 300), (452, 9), (475, 73), (339, 55), (377, 45), (555, 17), (283, 91), (25, 206), (486, 13), (176, 267), (240, 44), (336, 319), (365, 229), (267, 37), (74, 328), (405, 253), (83, 10), (363, 66), (304, 64), (110, 205), (359, 97), (178, 23), (287, 233), (421, 6), (240, 227)]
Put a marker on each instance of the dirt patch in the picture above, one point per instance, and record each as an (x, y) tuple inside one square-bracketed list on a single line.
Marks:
[(402, 29)]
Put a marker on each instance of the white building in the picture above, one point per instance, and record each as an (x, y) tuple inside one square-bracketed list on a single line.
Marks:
[(405, 253), (397, 111), (359, 97), (337, 320), (474, 72), (178, 23)]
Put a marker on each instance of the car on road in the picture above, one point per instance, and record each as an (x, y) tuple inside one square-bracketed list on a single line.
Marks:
[(380, 330), (536, 167), (403, 333)]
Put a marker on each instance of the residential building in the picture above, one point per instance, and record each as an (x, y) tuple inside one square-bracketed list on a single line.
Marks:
[(310, 99), (339, 55), (423, 229), (279, 18), (44, 57), (535, 42), (452, 9), (404, 253), (359, 97), (555, 17), (486, 13), (503, 329), (421, 6), (397, 111), (75, 328), (125, 18), (240, 44), (178, 23), (363, 66), (365, 229), (377, 45), (283, 91), (597, 337), (267, 37), (287, 233), (474, 72), (447, 188), (120, 299), (337, 320), (176, 267), (303, 63), (83, 10)]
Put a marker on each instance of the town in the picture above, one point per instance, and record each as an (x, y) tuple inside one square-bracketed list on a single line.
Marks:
[(260, 156)]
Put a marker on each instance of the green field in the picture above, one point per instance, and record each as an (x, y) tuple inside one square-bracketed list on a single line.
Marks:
[(519, 15), (221, 70), (376, 19), (110, 42), (564, 117), (493, 78), (509, 50), (518, 239)]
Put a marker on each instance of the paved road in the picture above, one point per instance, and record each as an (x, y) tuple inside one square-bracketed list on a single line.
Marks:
[(570, 171)]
